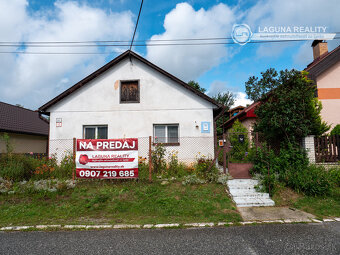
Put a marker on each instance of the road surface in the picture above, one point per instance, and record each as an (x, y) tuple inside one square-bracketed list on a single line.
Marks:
[(318, 238)]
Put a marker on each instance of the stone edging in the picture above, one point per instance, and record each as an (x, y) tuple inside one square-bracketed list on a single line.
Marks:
[(159, 226)]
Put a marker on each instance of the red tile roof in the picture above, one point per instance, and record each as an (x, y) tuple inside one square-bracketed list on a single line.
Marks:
[(247, 112), (16, 119)]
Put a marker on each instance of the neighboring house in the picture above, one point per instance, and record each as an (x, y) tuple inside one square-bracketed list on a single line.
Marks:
[(246, 116), (28, 131), (131, 97), (325, 71), (234, 111)]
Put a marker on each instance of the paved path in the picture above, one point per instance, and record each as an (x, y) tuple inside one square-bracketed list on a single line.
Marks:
[(316, 238), (244, 194)]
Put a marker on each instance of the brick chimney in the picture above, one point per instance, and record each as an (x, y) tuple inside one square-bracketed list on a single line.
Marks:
[(319, 48)]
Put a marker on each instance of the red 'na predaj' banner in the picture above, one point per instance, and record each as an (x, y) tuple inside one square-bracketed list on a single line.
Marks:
[(107, 158)]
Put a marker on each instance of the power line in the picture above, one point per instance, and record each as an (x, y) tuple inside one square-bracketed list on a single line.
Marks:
[(141, 45), (121, 41), (134, 33)]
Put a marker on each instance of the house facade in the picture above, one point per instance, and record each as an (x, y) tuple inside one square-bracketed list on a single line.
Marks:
[(132, 98), (325, 71), (27, 131)]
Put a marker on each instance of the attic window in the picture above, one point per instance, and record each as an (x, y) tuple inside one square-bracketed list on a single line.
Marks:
[(129, 91)]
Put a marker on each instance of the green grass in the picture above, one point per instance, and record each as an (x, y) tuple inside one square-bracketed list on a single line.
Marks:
[(320, 206), (127, 202)]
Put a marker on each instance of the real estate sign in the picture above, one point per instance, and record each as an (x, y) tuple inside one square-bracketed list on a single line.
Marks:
[(107, 158)]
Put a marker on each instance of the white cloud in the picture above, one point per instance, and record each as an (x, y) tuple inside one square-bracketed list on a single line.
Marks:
[(292, 13), (44, 76), (241, 99), (189, 62), (221, 87)]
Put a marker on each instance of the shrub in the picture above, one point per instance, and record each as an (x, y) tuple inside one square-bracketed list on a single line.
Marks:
[(143, 170), (291, 168), (312, 180), (66, 167), (17, 167), (239, 151), (336, 130), (14, 171), (202, 169), (192, 179), (334, 175), (175, 168), (158, 160)]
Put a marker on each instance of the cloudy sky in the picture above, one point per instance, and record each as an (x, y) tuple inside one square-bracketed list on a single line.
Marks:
[(33, 79)]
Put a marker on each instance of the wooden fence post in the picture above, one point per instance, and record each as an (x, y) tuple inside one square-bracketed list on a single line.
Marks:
[(74, 156), (224, 153), (150, 159)]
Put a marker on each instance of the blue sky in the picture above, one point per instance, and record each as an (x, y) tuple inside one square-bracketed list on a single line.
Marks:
[(216, 67)]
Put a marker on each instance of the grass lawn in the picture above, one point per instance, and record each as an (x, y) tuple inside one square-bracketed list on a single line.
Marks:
[(130, 202), (322, 207)]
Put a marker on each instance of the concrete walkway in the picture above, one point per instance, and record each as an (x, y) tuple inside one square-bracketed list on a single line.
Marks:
[(244, 194), (264, 214)]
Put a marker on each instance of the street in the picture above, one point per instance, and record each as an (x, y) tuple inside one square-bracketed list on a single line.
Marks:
[(316, 238)]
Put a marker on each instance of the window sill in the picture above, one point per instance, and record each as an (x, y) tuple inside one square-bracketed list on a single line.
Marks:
[(166, 144)]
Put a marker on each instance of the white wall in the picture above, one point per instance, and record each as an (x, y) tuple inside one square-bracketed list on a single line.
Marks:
[(162, 101)]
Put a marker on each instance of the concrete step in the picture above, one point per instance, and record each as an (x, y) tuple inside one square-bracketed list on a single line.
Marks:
[(250, 195), (243, 202), (245, 187), (244, 193), (243, 181)]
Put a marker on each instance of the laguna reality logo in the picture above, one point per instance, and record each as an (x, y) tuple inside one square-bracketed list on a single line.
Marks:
[(242, 34)]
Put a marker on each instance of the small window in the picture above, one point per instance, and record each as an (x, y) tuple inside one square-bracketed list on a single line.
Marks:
[(167, 134), (129, 92), (95, 132)]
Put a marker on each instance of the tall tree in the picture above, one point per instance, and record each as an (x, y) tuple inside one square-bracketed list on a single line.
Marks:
[(226, 99), (195, 85), (289, 110)]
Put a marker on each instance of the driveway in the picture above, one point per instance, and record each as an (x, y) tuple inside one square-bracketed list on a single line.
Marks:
[(316, 238)]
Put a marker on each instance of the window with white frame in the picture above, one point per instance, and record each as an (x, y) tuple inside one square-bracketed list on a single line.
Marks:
[(95, 132), (166, 133)]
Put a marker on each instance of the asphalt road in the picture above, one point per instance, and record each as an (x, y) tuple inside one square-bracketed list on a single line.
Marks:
[(320, 238)]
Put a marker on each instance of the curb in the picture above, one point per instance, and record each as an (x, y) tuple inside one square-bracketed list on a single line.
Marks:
[(160, 226)]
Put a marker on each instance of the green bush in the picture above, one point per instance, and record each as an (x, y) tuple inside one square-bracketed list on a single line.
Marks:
[(158, 158), (239, 151), (290, 167), (13, 171), (143, 170), (336, 130), (16, 167), (312, 181), (334, 175), (66, 167), (202, 169), (175, 168)]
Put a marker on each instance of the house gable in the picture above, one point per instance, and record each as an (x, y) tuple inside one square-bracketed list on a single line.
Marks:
[(130, 73)]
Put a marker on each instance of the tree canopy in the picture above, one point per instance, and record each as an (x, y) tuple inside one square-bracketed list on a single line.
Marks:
[(289, 110), (226, 99), (195, 85)]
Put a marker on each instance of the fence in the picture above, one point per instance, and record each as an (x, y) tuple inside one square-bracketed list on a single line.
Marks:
[(186, 148), (327, 148)]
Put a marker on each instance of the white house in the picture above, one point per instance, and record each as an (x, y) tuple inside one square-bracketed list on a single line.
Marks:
[(131, 97)]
